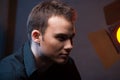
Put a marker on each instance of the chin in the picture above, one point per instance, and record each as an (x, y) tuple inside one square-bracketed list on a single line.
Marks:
[(61, 61)]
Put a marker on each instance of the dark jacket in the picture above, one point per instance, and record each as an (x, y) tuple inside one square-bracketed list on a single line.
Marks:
[(21, 66)]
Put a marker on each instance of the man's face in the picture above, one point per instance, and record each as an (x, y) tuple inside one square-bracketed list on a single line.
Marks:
[(57, 39)]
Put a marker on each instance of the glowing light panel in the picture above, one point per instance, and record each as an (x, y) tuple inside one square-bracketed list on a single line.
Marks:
[(118, 35)]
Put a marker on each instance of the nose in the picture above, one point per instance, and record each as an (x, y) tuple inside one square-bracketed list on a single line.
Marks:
[(68, 45)]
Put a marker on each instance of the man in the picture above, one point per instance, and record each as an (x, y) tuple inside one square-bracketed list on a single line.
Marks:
[(51, 28)]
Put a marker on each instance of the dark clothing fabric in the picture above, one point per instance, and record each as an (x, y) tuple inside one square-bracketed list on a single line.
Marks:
[(21, 66)]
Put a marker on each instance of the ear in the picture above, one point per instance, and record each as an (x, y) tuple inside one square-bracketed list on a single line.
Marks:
[(36, 36)]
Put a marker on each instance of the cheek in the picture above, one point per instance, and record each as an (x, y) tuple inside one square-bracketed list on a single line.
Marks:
[(54, 46)]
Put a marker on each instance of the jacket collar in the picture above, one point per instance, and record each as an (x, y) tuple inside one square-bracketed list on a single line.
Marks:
[(29, 61)]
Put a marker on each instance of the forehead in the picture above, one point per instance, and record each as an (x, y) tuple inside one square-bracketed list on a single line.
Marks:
[(58, 24)]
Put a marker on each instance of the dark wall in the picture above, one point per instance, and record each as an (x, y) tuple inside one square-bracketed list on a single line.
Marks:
[(3, 26)]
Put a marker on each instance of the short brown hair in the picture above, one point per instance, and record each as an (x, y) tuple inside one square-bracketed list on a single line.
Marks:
[(38, 18)]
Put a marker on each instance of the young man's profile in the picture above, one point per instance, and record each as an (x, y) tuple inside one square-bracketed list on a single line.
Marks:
[(45, 56)]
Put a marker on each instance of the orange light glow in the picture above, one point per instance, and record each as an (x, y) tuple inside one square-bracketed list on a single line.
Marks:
[(118, 35)]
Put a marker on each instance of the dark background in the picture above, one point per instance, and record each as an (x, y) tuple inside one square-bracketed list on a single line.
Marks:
[(13, 17)]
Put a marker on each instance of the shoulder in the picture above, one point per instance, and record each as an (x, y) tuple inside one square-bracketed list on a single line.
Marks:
[(6, 69), (10, 66), (13, 60)]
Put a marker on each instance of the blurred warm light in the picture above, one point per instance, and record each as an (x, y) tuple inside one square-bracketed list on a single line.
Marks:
[(118, 34)]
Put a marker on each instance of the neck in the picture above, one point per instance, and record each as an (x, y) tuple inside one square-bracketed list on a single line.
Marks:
[(42, 61)]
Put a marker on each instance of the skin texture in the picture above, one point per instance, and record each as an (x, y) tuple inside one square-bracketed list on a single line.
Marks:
[(56, 43)]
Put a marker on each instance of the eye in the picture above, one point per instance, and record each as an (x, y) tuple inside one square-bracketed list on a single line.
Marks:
[(62, 38)]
